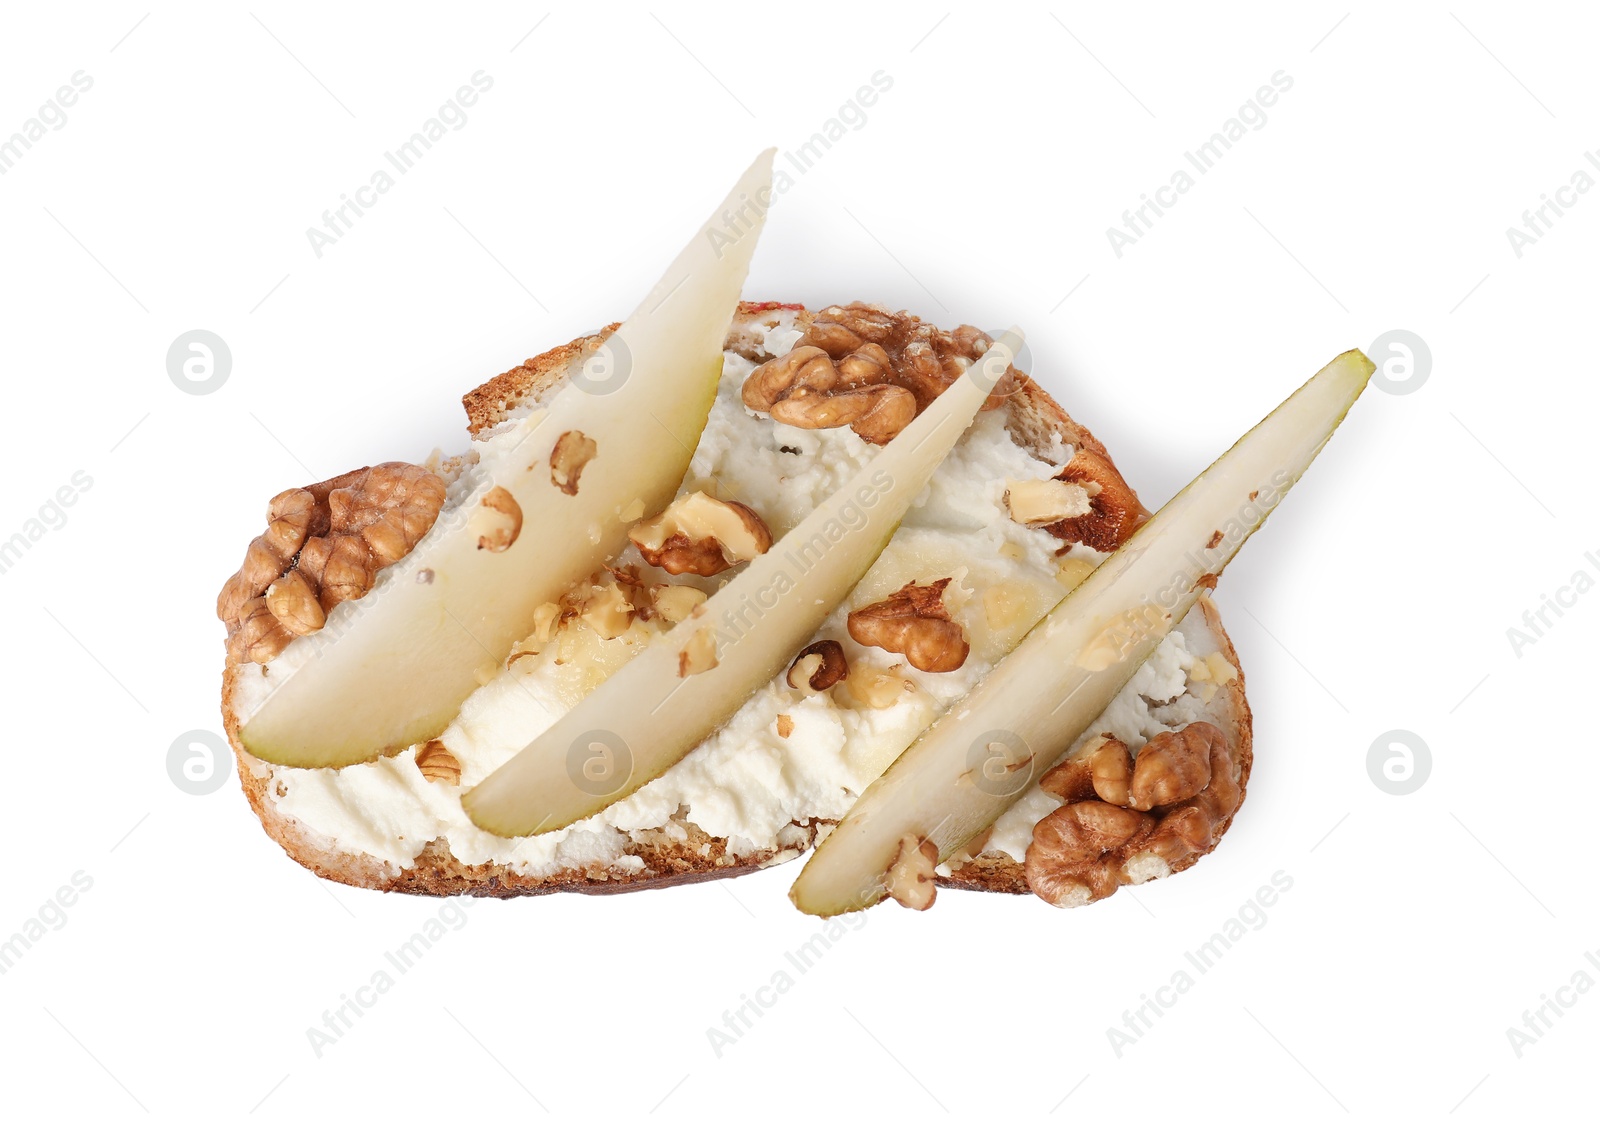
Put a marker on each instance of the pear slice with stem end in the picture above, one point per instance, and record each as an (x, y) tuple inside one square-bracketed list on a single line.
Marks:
[(657, 708), (392, 668), (993, 744)]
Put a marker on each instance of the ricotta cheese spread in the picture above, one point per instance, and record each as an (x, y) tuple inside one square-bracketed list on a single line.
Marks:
[(747, 782)]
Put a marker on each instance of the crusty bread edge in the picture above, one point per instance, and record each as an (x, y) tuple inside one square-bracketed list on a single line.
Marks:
[(437, 872), (491, 402)]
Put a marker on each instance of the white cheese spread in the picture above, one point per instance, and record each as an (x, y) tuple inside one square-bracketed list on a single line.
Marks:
[(747, 783)]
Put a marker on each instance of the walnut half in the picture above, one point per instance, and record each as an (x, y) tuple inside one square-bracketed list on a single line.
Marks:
[(913, 621), (324, 545), (1168, 804), (866, 368)]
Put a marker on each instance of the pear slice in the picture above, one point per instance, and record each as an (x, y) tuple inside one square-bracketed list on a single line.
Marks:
[(392, 668), (993, 744), (657, 708)]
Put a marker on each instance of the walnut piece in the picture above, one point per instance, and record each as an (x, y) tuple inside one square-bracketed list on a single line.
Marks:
[(1191, 828), (498, 520), (1101, 768), (699, 535), (1172, 767), (324, 545), (1114, 509), (257, 635), (877, 414), (805, 368), (438, 764), (546, 616), (866, 368), (924, 358), (572, 452), (913, 621), (1169, 803), (1076, 853), (289, 519), (818, 667), (911, 873), (1038, 503), (1210, 673)]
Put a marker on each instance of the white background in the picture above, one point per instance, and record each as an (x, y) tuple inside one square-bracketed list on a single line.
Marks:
[(980, 187)]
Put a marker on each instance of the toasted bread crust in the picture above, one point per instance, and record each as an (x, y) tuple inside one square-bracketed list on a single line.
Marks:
[(437, 872), (1034, 418), (492, 401)]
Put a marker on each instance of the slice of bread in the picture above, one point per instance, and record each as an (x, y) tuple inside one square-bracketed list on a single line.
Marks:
[(680, 851)]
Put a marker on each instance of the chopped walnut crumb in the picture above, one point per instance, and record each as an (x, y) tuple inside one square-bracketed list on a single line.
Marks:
[(498, 520), (572, 452), (1038, 503), (608, 612), (698, 654), (674, 603), (911, 874)]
